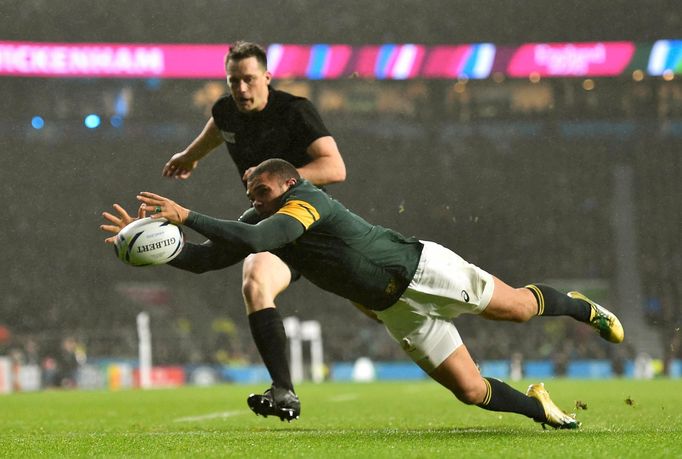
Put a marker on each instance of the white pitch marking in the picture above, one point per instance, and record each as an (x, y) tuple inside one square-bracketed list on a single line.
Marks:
[(204, 417), (344, 398)]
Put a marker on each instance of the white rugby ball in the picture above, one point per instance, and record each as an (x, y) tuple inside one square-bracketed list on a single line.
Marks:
[(149, 241)]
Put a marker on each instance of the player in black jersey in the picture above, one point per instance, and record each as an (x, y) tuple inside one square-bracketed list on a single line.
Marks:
[(257, 122), (414, 287)]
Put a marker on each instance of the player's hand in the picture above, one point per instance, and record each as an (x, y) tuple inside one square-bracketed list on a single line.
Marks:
[(180, 166), (121, 221), (163, 207)]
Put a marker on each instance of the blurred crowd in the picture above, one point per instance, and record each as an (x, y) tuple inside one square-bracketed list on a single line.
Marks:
[(354, 21), (524, 190), (57, 360)]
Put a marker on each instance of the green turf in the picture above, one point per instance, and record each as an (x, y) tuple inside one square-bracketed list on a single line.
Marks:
[(378, 420)]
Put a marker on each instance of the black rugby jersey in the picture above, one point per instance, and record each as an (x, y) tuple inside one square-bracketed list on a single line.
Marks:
[(283, 129)]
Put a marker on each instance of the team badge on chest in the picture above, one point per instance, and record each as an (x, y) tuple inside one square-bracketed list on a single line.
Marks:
[(229, 137)]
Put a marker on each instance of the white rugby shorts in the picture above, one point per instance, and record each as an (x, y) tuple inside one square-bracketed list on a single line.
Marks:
[(443, 287)]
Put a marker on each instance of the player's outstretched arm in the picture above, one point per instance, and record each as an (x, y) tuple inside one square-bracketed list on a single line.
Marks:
[(269, 234), (181, 165), (196, 258), (209, 256)]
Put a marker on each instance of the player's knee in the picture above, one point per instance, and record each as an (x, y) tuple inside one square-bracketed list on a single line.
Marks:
[(263, 278), (521, 315), (527, 312), (471, 395), (524, 309), (253, 287)]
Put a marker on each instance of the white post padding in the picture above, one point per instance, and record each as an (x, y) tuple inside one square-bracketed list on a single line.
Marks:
[(292, 327), (312, 332), (5, 375), (145, 350), (297, 333)]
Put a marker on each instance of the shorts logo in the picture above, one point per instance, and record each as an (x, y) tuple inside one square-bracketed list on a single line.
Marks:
[(407, 345), (465, 296)]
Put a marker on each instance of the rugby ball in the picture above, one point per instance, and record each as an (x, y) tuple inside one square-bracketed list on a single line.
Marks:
[(149, 241)]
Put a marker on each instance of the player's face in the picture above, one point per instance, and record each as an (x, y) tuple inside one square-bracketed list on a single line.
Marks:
[(248, 83), (265, 192)]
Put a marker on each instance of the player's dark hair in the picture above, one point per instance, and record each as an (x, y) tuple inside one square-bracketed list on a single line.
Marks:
[(276, 167), (244, 49)]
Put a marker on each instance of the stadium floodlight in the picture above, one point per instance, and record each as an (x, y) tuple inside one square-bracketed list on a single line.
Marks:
[(37, 122), (116, 121), (92, 121)]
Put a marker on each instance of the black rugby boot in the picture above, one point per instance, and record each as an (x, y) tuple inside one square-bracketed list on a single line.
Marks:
[(276, 401)]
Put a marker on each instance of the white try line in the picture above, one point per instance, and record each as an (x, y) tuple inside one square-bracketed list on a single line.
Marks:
[(205, 417)]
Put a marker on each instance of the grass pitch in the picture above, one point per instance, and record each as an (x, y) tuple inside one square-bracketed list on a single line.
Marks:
[(623, 418)]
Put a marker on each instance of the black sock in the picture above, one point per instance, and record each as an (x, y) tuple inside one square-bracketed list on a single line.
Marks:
[(503, 397), (268, 332), (552, 302)]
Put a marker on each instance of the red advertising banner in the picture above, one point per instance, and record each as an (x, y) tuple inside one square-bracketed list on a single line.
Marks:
[(172, 376)]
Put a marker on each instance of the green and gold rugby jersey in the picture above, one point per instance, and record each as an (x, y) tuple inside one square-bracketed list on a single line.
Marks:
[(343, 253), (316, 235)]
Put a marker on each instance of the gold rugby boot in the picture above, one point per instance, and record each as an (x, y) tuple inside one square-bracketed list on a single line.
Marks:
[(603, 320), (555, 417)]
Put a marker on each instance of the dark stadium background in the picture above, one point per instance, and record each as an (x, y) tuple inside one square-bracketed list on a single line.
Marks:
[(507, 186)]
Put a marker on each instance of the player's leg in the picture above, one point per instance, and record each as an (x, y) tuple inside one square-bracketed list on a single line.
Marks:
[(509, 303), (436, 346), (551, 302), (521, 304), (446, 285), (264, 276), (459, 374)]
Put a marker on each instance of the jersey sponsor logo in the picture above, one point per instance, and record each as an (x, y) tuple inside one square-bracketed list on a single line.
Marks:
[(391, 288), (229, 136), (302, 211)]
